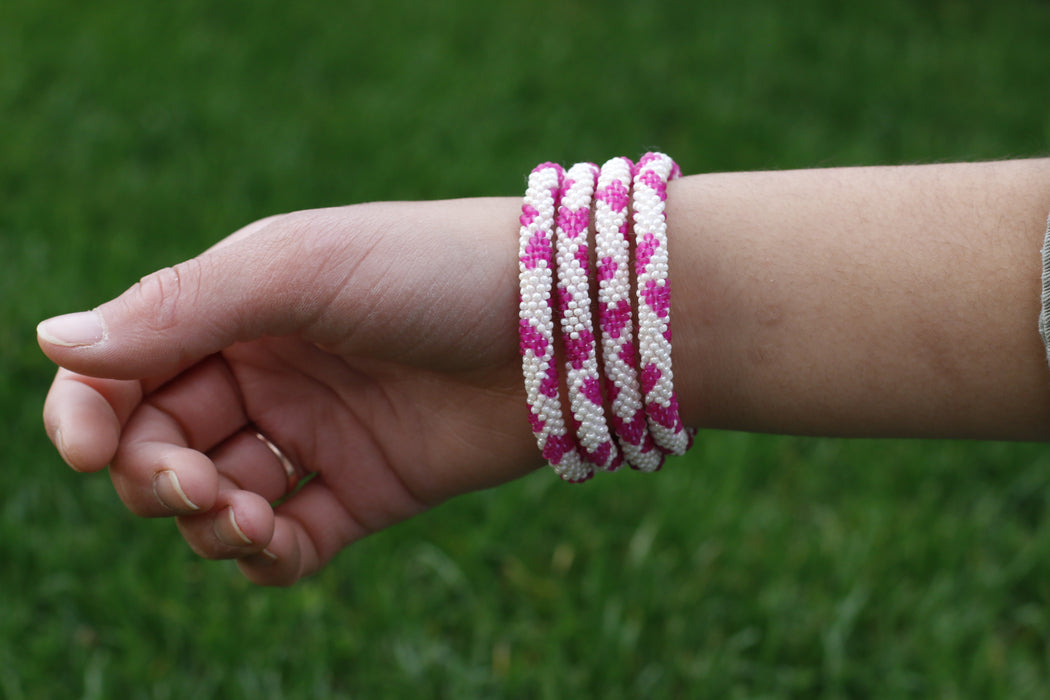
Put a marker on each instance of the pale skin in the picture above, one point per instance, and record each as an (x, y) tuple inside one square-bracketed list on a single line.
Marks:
[(376, 346)]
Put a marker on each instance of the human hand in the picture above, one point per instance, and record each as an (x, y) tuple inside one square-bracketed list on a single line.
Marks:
[(374, 345)]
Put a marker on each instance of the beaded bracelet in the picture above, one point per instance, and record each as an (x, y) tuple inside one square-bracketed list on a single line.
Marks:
[(581, 365), (616, 317), (536, 323), (653, 294), (638, 381)]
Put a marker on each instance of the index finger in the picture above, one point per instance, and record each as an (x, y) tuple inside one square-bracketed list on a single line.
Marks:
[(83, 416)]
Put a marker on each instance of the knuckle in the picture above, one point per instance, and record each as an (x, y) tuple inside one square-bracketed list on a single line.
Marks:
[(167, 292)]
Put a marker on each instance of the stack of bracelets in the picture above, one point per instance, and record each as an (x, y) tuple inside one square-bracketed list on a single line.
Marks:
[(556, 219)]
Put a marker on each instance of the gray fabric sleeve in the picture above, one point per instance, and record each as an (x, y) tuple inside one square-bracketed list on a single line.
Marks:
[(1044, 311)]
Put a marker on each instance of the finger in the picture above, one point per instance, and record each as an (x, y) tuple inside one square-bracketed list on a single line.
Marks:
[(240, 523), (310, 529), (83, 417), (159, 468), (204, 402), (251, 465), (156, 474), (278, 564)]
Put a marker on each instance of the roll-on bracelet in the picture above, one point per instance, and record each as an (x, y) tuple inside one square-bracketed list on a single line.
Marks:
[(536, 323)]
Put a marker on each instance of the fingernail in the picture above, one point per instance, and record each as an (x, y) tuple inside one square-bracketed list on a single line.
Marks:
[(169, 492), (63, 451), (263, 558), (229, 532), (73, 330)]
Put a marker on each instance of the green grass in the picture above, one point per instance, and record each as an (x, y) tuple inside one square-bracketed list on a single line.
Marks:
[(134, 134)]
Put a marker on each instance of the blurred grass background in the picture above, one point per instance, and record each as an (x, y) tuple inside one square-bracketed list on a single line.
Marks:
[(133, 135)]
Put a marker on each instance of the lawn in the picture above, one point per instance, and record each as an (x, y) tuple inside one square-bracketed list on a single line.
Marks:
[(132, 135)]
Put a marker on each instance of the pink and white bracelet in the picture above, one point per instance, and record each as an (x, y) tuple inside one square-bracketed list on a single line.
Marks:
[(638, 380), (581, 364), (536, 323), (653, 293), (612, 248)]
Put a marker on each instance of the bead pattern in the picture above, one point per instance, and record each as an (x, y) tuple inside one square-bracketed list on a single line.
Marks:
[(653, 295), (536, 323), (616, 316), (581, 361), (638, 382)]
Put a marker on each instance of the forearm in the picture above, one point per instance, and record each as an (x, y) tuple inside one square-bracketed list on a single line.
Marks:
[(896, 301)]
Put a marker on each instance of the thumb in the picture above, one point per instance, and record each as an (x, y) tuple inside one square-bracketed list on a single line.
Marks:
[(250, 286)]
